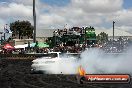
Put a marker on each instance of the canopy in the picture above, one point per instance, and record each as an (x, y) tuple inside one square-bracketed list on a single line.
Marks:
[(40, 45), (8, 46), (32, 45), (21, 46)]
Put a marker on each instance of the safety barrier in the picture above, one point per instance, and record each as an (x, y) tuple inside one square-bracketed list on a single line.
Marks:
[(21, 56)]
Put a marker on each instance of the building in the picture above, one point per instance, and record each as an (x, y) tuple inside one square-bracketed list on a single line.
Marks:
[(42, 35), (22, 41), (117, 33)]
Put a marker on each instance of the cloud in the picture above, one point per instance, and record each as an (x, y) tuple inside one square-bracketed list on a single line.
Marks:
[(122, 17), (125, 28), (16, 10), (13, 11), (80, 13), (25, 2), (95, 13), (98, 6)]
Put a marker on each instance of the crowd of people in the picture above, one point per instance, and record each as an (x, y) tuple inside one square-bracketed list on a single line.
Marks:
[(117, 46)]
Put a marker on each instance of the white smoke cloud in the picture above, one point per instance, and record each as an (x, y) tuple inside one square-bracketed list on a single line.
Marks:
[(95, 61)]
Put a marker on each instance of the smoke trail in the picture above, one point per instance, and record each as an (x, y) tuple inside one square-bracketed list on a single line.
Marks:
[(94, 61)]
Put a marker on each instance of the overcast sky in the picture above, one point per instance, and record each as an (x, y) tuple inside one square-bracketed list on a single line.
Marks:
[(57, 13)]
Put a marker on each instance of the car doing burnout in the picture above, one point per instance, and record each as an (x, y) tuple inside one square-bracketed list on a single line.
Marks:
[(45, 64)]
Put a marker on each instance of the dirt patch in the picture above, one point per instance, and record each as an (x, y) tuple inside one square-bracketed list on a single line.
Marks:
[(16, 74)]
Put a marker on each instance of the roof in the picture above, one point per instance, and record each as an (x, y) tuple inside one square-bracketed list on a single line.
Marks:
[(23, 39), (45, 33), (110, 32)]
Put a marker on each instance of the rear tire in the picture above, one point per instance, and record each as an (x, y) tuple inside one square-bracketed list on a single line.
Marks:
[(80, 79)]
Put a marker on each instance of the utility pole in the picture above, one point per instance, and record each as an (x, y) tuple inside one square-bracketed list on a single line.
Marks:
[(34, 19), (113, 30), (85, 36), (113, 35)]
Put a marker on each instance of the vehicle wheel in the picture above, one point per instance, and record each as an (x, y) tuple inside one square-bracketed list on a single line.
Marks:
[(80, 80)]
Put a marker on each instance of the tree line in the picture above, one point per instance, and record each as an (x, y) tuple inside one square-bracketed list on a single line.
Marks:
[(22, 29)]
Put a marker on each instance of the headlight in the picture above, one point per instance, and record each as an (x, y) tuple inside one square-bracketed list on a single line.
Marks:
[(35, 62)]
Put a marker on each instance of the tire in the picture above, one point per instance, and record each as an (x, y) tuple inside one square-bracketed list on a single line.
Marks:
[(80, 79)]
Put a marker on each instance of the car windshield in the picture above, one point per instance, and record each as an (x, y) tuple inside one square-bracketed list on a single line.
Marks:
[(52, 55)]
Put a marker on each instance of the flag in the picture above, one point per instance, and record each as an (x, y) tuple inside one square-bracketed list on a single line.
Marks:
[(6, 30)]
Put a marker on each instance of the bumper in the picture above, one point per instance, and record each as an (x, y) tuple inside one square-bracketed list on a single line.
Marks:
[(40, 67)]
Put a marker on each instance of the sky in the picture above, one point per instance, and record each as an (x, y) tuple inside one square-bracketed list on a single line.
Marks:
[(54, 14)]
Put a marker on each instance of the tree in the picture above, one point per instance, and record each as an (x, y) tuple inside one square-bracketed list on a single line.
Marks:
[(50, 42), (22, 29), (89, 29), (102, 37), (90, 32)]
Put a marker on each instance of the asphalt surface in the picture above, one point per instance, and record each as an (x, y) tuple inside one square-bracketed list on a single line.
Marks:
[(16, 74)]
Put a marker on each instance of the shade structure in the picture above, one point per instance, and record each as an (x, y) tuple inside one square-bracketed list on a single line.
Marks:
[(40, 45), (32, 45), (21, 46), (8, 46)]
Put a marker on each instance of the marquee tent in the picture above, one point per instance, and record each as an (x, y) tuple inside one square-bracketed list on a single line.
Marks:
[(8, 46)]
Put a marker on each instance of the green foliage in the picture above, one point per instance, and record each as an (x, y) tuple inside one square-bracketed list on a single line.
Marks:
[(89, 29), (102, 37), (50, 41), (23, 28), (90, 33), (36, 45)]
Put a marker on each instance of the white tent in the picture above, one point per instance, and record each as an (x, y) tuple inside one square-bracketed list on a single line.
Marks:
[(21, 46)]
